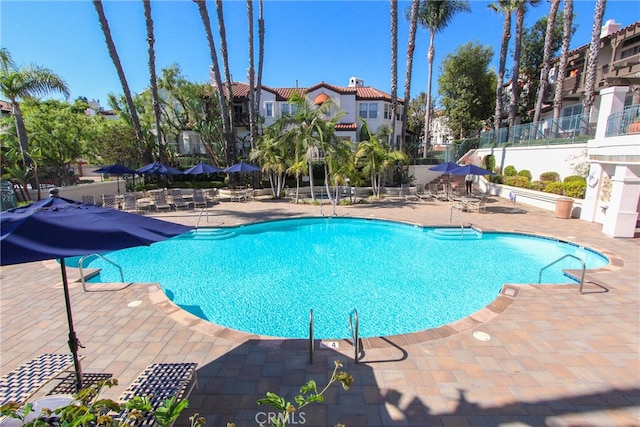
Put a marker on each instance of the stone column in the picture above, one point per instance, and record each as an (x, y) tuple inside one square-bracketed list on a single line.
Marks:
[(622, 214), (611, 101)]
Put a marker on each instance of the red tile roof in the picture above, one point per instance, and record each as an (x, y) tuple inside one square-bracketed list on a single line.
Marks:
[(5, 106)]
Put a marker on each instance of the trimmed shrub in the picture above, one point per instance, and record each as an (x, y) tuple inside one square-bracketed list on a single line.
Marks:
[(550, 177), (510, 171), (489, 162), (575, 189), (496, 179), (553, 187), (525, 173), (537, 185), (575, 178), (516, 181)]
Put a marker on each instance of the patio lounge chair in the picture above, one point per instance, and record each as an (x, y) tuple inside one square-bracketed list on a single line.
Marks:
[(161, 381), (178, 201), (199, 199), (160, 200), (89, 199), (19, 384), (477, 205), (130, 203), (109, 201)]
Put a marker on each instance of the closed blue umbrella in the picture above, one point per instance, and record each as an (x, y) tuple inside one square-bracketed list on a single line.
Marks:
[(60, 228), (201, 168), (242, 167), (117, 170), (157, 168)]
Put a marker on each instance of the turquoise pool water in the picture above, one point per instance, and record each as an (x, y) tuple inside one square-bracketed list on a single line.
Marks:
[(264, 278)]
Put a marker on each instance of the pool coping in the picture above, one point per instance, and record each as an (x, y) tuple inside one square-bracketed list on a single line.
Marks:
[(507, 296)]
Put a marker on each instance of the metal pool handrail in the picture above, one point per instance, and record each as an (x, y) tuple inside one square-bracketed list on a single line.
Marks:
[(84, 283), (560, 259), (355, 333)]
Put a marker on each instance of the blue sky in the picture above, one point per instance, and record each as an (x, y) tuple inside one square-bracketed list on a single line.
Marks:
[(306, 41)]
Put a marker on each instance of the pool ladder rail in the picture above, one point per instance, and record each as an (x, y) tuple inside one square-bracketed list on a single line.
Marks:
[(560, 259), (82, 276), (355, 335)]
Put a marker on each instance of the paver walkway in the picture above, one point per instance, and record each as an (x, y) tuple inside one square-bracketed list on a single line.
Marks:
[(555, 358)]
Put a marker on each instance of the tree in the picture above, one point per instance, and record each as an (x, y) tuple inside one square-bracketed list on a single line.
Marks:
[(466, 86), (226, 119), (506, 7), (271, 153), (251, 76), (113, 53), (546, 60), (376, 158), (25, 83), (562, 66), (114, 141), (436, 15), (261, 30), (230, 137), (393, 12), (411, 45), (592, 62), (153, 79), (521, 9)]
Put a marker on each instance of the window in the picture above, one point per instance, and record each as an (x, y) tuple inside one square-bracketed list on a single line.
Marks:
[(268, 107), (571, 117), (369, 110), (287, 109), (387, 111)]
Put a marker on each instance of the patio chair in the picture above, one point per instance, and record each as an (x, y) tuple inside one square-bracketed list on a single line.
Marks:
[(160, 200), (212, 194), (477, 206), (199, 199), (423, 193), (160, 381), (405, 191), (109, 201), (21, 383), (178, 200), (89, 199), (130, 203)]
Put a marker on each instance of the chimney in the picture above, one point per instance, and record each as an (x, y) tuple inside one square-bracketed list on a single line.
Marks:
[(609, 27), (356, 82)]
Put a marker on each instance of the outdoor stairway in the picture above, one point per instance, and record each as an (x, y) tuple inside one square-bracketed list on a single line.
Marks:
[(215, 234), (453, 233)]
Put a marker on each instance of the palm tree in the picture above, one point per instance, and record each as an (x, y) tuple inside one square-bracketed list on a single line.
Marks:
[(113, 53), (270, 152), (256, 110), (227, 130), (521, 10), (230, 137), (592, 62), (393, 6), (251, 76), (506, 7), (436, 15), (153, 78), (562, 66), (546, 58), (411, 45), (19, 83)]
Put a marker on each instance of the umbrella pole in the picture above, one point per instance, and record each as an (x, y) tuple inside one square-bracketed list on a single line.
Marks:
[(74, 343)]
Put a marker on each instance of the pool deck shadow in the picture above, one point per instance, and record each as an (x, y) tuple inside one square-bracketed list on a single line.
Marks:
[(548, 356)]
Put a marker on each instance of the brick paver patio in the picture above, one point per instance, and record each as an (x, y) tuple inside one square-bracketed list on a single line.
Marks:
[(555, 358)]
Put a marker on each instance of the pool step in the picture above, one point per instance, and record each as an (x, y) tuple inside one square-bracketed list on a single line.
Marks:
[(454, 233), (215, 234)]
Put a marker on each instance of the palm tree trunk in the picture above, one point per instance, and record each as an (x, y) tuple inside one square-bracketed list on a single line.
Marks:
[(393, 5), (411, 46), (224, 110), (251, 77), (260, 60), (427, 114), (21, 130), (113, 53), (230, 137), (504, 45), (546, 58), (515, 89), (153, 80), (592, 62), (562, 66)]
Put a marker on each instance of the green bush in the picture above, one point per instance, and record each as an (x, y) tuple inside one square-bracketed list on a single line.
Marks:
[(489, 162), (553, 187), (525, 173), (516, 181), (550, 177), (575, 178), (510, 171), (575, 189), (537, 185), (496, 179)]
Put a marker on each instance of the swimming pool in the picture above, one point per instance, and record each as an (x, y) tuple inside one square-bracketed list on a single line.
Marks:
[(264, 278)]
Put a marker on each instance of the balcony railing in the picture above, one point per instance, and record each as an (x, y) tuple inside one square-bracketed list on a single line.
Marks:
[(566, 130), (618, 123)]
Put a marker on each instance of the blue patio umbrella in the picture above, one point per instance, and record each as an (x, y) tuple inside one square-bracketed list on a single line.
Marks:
[(157, 168), (117, 170), (445, 167), (59, 228), (201, 168), (471, 169), (242, 167)]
